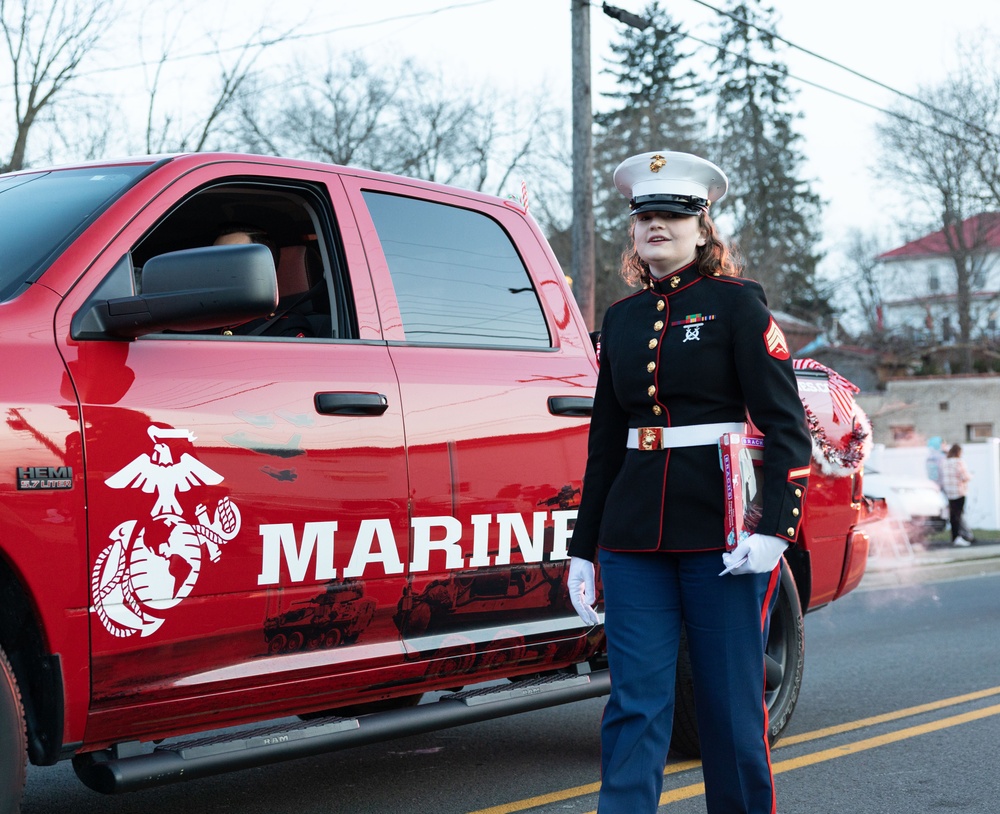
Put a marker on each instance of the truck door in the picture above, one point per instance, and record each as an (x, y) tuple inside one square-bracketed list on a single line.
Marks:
[(495, 470), (247, 492)]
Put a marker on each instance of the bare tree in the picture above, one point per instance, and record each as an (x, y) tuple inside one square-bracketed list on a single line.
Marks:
[(938, 151), (978, 61), (167, 131), (450, 140), (344, 117), (46, 43), (861, 253), (402, 119)]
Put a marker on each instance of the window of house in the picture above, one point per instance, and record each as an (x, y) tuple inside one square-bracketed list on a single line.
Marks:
[(457, 276), (902, 432), (933, 281), (979, 432)]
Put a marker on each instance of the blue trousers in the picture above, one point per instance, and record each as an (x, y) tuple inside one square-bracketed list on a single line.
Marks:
[(647, 596)]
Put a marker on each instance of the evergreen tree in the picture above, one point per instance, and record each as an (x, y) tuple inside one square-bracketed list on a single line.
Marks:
[(774, 213), (652, 107)]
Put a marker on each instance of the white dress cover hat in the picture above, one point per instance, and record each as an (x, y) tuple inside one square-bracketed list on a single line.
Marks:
[(669, 181)]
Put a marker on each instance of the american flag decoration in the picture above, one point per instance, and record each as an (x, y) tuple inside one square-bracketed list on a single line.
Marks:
[(841, 390)]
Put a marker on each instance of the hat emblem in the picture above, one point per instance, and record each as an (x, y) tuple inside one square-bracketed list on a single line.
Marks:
[(658, 163)]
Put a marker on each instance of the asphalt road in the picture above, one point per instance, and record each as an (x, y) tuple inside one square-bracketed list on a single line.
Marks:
[(899, 713)]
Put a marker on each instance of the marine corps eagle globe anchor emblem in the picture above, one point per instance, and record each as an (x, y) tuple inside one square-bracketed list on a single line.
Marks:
[(152, 565)]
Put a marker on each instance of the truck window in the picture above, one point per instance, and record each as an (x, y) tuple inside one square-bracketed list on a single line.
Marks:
[(42, 212), (458, 278), (295, 225)]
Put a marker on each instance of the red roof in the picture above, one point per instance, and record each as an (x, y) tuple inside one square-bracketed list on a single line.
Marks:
[(980, 232)]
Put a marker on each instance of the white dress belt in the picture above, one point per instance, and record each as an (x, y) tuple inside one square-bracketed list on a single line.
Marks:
[(693, 435)]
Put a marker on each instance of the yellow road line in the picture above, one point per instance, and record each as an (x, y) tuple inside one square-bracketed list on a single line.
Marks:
[(566, 794), (695, 789), (542, 799), (888, 716)]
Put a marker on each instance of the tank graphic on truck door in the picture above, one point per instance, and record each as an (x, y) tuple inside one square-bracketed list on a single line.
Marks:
[(337, 616), (499, 591)]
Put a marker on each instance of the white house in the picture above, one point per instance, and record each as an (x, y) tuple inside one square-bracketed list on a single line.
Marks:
[(918, 284)]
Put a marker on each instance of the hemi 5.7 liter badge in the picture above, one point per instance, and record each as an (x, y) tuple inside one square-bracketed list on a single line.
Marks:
[(44, 477)]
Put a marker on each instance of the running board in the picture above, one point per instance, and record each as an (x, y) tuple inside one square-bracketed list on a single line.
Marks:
[(114, 771)]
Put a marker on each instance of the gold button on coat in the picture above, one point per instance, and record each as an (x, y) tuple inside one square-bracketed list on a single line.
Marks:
[(659, 305), (795, 512), (791, 532), (651, 390), (798, 493), (652, 343), (658, 325), (651, 367), (657, 409)]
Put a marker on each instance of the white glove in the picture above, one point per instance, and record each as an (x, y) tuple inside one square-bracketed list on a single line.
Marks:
[(582, 590), (756, 554)]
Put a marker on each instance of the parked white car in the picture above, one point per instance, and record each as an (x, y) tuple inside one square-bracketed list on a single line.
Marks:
[(917, 501)]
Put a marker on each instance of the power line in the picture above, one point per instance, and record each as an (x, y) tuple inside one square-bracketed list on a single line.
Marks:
[(843, 67), (269, 41), (896, 115), (785, 73)]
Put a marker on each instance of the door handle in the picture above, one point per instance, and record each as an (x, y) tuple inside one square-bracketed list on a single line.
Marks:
[(571, 405), (351, 403)]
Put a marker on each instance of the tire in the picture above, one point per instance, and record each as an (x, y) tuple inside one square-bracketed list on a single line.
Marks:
[(13, 740), (786, 646), (785, 652)]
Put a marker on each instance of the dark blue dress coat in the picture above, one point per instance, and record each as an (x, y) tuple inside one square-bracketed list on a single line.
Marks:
[(690, 349)]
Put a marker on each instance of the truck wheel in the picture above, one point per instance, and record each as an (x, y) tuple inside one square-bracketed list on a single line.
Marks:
[(785, 655), (13, 740)]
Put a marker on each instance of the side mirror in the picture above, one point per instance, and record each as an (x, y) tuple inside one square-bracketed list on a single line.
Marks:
[(190, 290)]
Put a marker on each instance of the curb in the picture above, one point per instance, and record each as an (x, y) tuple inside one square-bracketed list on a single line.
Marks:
[(930, 566)]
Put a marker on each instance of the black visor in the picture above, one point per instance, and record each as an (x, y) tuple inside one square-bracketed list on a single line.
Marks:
[(681, 204)]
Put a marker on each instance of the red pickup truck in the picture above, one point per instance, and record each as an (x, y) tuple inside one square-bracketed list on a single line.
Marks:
[(226, 545)]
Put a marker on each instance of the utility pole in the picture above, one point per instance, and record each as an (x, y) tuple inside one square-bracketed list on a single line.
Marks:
[(582, 263)]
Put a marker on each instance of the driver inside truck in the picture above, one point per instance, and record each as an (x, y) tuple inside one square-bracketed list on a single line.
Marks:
[(288, 318)]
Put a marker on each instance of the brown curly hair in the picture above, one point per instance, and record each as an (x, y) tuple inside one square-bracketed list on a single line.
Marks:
[(715, 256)]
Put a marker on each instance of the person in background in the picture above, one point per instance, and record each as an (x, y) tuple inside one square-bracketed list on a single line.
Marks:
[(935, 457), (955, 479), (681, 362)]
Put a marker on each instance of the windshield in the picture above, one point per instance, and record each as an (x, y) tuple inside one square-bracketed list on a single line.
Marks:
[(41, 212)]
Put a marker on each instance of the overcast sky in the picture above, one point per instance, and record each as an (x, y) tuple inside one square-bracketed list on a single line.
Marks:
[(521, 45)]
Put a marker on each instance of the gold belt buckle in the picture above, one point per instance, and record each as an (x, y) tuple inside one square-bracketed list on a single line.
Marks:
[(650, 438)]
